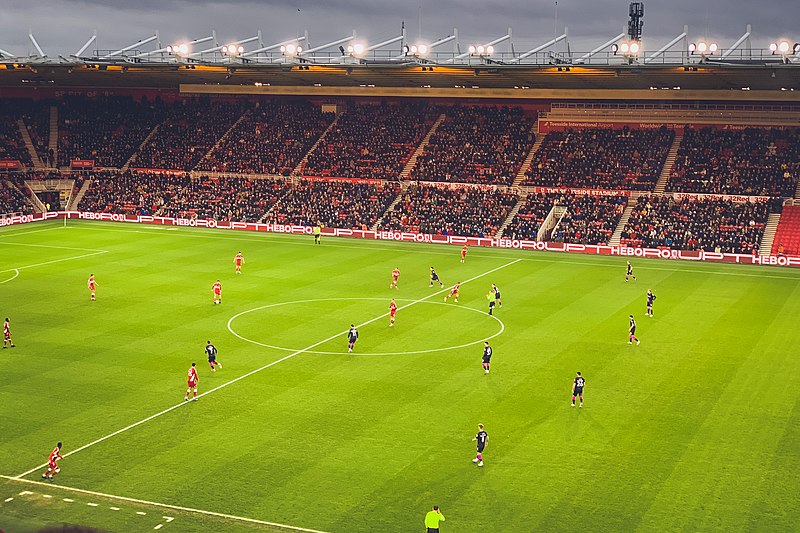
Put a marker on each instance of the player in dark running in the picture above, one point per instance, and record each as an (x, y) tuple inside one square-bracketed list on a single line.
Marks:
[(650, 299), (577, 389), (632, 331), (482, 437), (352, 337), (435, 278), (629, 273), (211, 352), (487, 357), (496, 290)]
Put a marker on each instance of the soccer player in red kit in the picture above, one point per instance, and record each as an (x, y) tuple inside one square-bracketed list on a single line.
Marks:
[(238, 261), (191, 381), (392, 312), (91, 283), (395, 275), (464, 253), (453, 292), (216, 288), (52, 465), (7, 334)]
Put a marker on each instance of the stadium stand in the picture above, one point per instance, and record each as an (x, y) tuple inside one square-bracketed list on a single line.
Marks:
[(754, 161), (191, 129), (107, 129), (12, 200), (787, 238), (477, 144), (590, 219), (272, 139), (708, 223), (622, 159), (445, 211), (334, 203), (371, 141), (529, 218), (11, 144)]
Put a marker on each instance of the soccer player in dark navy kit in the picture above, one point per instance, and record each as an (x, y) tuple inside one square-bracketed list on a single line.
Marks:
[(497, 295), (435, 278), (632, 331), (211, 352), (487, 356), (352, 337), (629, 273), (577, 389), (650, 299), (482, 437)]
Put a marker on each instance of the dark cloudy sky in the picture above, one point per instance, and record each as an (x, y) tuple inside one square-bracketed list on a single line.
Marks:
[(62, 26)]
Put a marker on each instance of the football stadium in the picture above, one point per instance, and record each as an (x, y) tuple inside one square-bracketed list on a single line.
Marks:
[(401, 284)]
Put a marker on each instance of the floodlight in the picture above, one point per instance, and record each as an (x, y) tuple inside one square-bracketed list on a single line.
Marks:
[(283, 49), (413, 49), (170, 49), (624, 48), (796, 48), (358, 49), (489, 50), (692, 47), (783, 47), (471, 49), (423, 49), (773, 47), (702, 47), (634, 47), (183, 48), (299, 50), (480, 49), (290, 49), (614, 48), (712, 47)]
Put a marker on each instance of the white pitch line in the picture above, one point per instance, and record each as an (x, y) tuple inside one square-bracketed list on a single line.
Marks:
[(114, 508), (159, 526), (164, 506), (15, 276), (48, 496), (257, 370), (168, 518), (54, 261), (8, 500), (90, 504), (52, 246), (68, 500), (15, 233)]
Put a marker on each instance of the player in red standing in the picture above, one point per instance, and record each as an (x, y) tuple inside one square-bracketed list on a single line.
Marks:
[(52, 465), (453, 292), (216, 288), (464, 251), (191, 381), (392, 312), (7, 334), (238, 261), (395, 275), (91, 284)]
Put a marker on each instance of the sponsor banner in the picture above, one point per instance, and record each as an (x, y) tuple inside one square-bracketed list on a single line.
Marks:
[(547, 126), (159, 171), (9, 164), (82, 163), (334, 178), (455, 186), (400, 236), (584, 192), (736, 198)]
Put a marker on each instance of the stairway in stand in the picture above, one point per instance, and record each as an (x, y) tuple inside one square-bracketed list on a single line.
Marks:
[(669, 164), (412, 161), (520, 177), (73, 205), (53, 140), (26, 137), (520, 202), (132, 159), (298, 170), (767, 240), (376, 226), (617, 235), (219, 141)]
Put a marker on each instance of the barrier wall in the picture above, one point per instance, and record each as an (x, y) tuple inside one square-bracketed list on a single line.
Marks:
[(592, 249)]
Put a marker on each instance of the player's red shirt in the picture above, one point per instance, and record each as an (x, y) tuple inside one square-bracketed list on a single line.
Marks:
[(6, 329), (90, 282), (217, 288), (192, 377), (239, 259), (464, 251), (454, 290), (392, 308), (395, 274), (55, 455)]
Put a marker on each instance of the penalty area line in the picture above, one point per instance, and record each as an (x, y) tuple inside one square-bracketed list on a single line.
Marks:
[(259, 369), (164, 505), (15, 276), (54, 261)]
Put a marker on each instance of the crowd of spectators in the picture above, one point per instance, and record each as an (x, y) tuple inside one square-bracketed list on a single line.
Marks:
[(477, 144), (105, 129), (131, 193), (271, 139), (706, 223), (12, 199), (35, 116), (191, 129), (754, 161), (371, 141), (11, 144), (529, 218), (596, 158), (466, 211), (334, 203)]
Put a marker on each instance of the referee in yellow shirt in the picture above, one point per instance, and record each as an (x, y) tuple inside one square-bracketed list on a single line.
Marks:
[(433, 518)]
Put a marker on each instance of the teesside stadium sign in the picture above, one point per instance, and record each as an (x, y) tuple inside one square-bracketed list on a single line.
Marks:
[(593, 249)]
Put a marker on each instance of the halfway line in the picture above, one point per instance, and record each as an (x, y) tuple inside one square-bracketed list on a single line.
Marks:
[(257, 370)]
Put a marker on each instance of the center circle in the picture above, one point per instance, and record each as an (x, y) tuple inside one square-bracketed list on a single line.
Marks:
[(502, 326)]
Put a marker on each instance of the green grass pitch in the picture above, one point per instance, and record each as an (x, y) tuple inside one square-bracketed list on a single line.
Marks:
[(696, 429)]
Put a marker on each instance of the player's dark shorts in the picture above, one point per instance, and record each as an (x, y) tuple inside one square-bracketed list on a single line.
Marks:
[(212, 358), (352, 339), (491, 303), (632, 331), (578, 391), (497, 296), (481, 447), (435, 278), (486, 359)]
